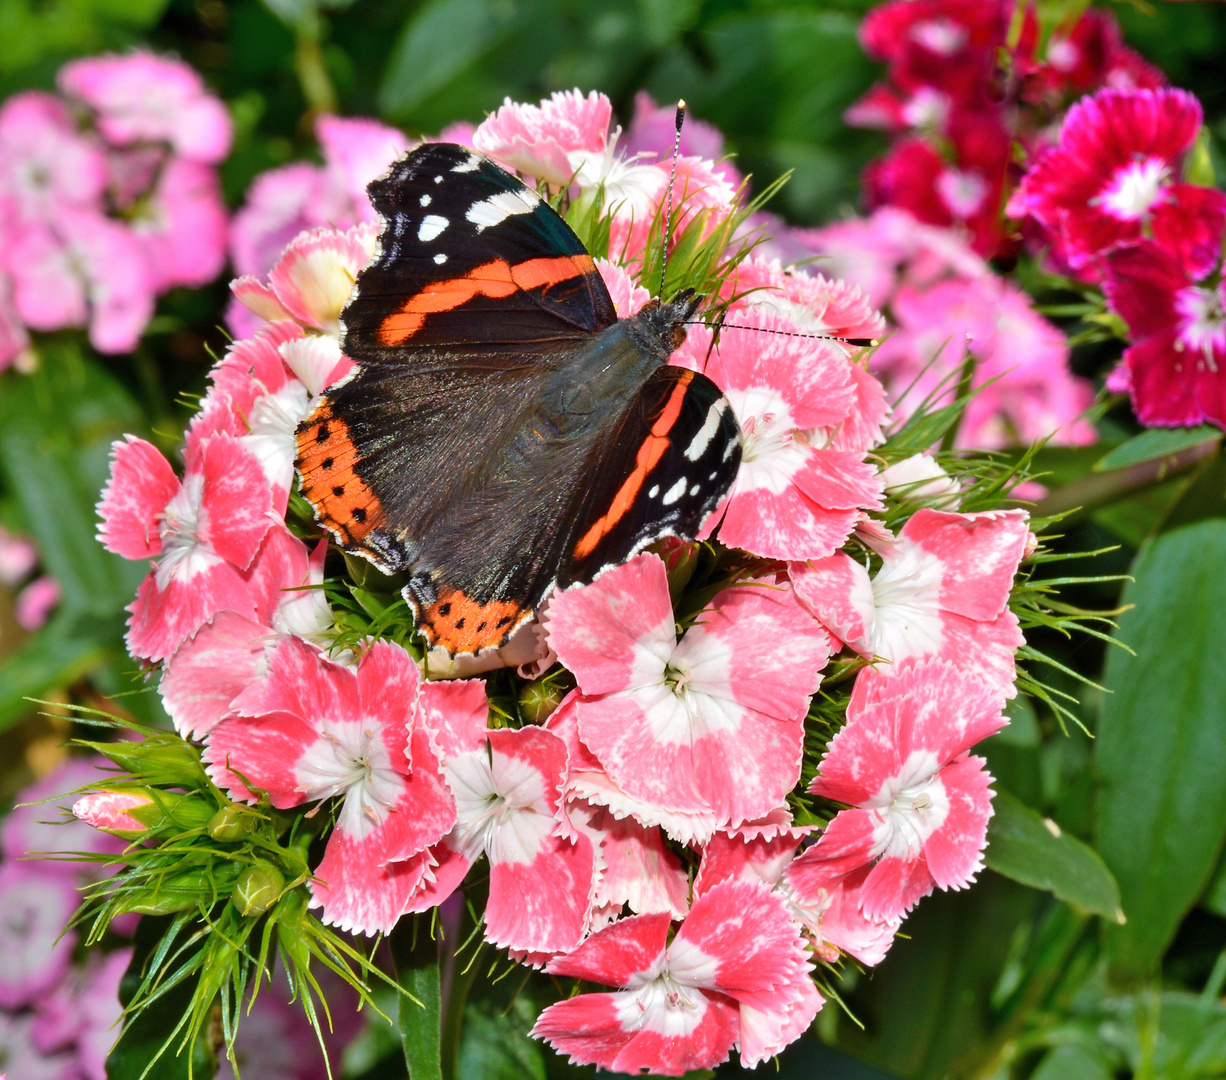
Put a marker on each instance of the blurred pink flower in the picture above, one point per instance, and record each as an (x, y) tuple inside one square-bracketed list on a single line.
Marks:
[(18, 557), (36, 602), (140, 97), (653, 131), (34, 909), (21, 1057), (182, 226), (551, 140), (83, 1013)]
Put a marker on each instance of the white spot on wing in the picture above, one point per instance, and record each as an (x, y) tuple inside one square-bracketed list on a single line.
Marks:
[(424, 200), (701, 440), (470, 164), (695, 490), (655, 490), (440, 258), (674, 493), (431, 226), (438, 179), (497, 208)]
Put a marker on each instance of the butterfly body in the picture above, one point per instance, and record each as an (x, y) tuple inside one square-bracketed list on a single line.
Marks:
[(503, 432)]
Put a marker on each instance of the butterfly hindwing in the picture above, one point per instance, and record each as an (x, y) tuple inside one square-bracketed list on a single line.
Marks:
[(470, 258)]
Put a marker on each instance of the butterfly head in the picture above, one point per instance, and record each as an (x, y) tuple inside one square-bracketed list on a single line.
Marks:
[(663, 321)]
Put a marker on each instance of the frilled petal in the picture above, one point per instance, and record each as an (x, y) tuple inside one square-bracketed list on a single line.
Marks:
[(838, 592), (163, 617), (236, 507), (141, 483), (954, 852)]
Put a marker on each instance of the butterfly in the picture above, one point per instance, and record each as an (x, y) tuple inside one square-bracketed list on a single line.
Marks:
[(503, 433)]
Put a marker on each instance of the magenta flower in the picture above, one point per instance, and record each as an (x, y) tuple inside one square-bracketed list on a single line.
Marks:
[(83, 1013), (46, 163), (141, 97), (204, 532), (1176, 315), (921, 804), (182, 226), (507, 787), (35, 603), (710, 724), (942, 592), (1117, 161), (21, 1056), (231, 651), (313, 730), (735, 974), (34, 908), (799, 490)]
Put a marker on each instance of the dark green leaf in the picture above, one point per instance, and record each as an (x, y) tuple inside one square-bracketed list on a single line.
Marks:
[(1156, 443), (1161, 811), (1031, 849), (416, 956), (1073, 1063), (496, 1045)]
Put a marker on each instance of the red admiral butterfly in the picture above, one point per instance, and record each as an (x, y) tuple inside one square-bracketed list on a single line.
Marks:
[(503, 431)]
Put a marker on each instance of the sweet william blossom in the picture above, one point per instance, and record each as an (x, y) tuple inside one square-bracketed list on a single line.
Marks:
[(312, 730), (921, 802), (735, 974), (551, 140), (709, 724)]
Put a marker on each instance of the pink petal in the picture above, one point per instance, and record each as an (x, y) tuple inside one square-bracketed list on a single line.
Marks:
[(450, 867), (357, 893), (894, 886), (954, 852), (109, 810), (542, 905), (634, 866), (614, 956), (315, 274), (302, 683), (387, 688), (847, 843), (455, 713), (140, 485), (236, 510), (617, 632), (838, 592), (280, 566), (425, 811), (260, 299), (163, 618), (841, 923), (979, 553), (777, 1020), (730, 857), (710, 1033), (265, 750), (211, 668), (538, 139)]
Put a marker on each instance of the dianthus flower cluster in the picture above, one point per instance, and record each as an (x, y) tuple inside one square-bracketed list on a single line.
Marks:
[(648, 830), (961, 92), (37, 594), (109, 196), (1109, 199), (946, 305)]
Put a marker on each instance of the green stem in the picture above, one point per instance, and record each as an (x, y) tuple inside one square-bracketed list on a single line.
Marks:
[(415, 955), (309, 63), (466, 969)]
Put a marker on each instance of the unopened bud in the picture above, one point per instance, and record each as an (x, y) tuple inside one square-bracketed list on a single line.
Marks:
[(230, 824), (161, 759), (169, 894), (111, 811), (680, 561), (537, 700), (258, 888)]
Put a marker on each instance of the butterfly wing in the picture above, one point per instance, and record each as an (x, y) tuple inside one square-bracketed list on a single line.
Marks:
[(470, 259)]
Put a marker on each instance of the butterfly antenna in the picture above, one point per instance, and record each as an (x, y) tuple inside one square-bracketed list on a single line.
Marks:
[(668, 203), (856, 342)]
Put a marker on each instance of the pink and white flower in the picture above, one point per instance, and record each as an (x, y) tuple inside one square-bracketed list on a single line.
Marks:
[(507, 787), (314, 730), (735, 974), (796, 495), (921, 803), (942, 591), (36, 907), (551, 140), (710, 724), (204, 532), (83, 1013)]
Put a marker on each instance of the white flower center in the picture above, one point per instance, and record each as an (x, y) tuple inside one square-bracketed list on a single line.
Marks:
[(773, 450), (1133, 189), (962, 192), (271, 425), (184, 552), (910, 807), (928, 108), (906, 596), (1062, 54), (501, 806), (351, 758), (1202, 325)]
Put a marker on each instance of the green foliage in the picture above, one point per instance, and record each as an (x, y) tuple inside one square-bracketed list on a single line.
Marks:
[(1161, 807)]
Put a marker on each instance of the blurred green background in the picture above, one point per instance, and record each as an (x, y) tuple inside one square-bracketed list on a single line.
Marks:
[(1000, 981)]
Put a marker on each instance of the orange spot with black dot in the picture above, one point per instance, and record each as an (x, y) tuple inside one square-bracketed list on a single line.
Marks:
[(327, 467), (496, 279), (461, 624)]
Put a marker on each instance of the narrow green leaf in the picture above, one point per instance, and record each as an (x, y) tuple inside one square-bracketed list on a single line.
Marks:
[(416, 956), (1161, 807), (1156, 443), (1031, 849)]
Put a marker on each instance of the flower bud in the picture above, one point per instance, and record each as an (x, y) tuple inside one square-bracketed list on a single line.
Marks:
[(230, 824), (169, 894), (161, 759), (537, 700), (680, 560), (136, 813), (257, 889)]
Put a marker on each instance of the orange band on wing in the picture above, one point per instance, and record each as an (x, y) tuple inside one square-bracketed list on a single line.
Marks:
[(649, 454), (327, 461), (493, 279), (462, 625)]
